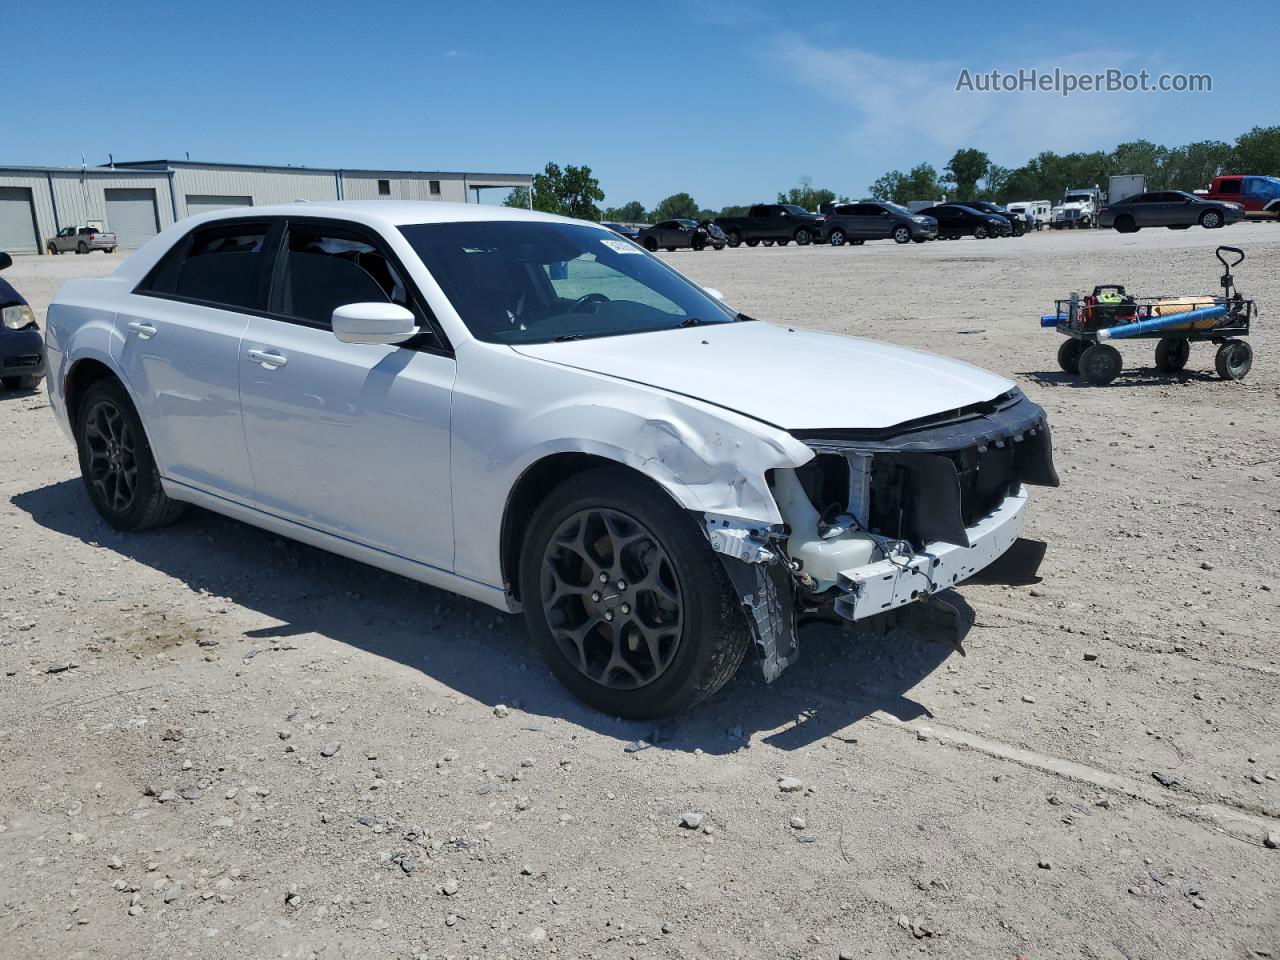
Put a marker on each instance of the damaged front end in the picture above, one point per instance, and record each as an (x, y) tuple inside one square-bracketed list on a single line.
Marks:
[(878, 519)]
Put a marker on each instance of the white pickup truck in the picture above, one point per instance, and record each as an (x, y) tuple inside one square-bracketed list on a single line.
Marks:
[(83, 240)]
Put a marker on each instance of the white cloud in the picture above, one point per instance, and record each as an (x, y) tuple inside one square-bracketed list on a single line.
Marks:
[(891, 102)]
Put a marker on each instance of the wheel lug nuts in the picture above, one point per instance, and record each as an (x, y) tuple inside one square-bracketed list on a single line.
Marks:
[(626, 608), (622, 584), (604, 578), (608, 614), (595, 597)]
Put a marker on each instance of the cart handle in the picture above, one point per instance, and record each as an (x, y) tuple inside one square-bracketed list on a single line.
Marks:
[(1222, 260)]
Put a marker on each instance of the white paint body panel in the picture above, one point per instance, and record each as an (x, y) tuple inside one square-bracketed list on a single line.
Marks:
[(406, 459)]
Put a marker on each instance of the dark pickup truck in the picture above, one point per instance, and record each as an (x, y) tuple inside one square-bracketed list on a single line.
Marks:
[(771, 223)]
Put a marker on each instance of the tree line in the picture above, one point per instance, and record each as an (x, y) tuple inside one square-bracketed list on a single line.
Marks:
[(969, 175)]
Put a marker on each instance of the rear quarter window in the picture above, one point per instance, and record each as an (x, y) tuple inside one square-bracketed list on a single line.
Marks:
[(220, 265)]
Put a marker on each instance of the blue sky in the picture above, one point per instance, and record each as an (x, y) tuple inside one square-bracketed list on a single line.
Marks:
[(731, 101)]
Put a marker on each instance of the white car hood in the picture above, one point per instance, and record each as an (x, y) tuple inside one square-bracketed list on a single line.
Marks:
[(794, 379)]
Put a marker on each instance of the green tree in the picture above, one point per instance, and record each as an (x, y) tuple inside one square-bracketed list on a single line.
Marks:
[(966, 167), (1194, 166), (739, 210), (920, 183), (1144, 157), (808, 196), (678, 206), (994, 179), (630, 212), (571, 192), (1258, 151), (888, 186)]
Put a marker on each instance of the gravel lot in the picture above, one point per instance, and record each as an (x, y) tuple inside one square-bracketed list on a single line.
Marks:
[(215, 743)]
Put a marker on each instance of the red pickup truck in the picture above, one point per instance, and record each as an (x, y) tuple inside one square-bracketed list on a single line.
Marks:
[(1260, 196)]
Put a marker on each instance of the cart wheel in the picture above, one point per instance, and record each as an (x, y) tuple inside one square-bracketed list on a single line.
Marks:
[(1100, 364), (1172, 353), (1069, 355), (1234, 359)]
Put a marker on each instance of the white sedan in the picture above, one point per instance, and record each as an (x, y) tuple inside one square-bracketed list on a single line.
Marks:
[(536, 413)]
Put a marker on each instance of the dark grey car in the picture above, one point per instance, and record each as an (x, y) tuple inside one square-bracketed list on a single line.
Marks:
[(859, 222), (1168, 208), (677, 235)]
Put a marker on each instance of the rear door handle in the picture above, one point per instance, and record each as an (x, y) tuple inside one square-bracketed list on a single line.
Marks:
[(144, 330), (269, 360)]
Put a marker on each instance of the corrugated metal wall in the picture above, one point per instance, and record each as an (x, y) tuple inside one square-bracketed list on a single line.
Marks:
[(264, 186), (79, 197), (364, 186)]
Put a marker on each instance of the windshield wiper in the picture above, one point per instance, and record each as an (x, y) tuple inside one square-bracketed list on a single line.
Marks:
[(692, 322), (566, 337), (743, 318)]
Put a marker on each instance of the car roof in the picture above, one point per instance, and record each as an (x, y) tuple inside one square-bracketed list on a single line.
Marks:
[(391, 212)]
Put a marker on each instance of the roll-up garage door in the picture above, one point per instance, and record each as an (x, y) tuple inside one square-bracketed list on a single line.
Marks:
[(17, 221), (131, 215), (207, 202)]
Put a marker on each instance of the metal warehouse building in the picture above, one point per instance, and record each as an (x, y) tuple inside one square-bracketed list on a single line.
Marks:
[(136, 200)]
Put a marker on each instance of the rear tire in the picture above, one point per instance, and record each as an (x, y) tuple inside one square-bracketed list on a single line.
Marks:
[(1069, 355), (1100, 364), (611, 665), (651, 244), (21, 383), (752, 243), (783, 243), (1172, 354), (116, 463), (1234, 359), (81, 247)]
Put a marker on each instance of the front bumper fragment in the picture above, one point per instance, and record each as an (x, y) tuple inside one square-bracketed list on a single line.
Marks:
[(885, 584)]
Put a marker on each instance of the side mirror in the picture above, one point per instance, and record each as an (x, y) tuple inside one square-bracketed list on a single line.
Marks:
[(713, 292), (6, 261), (374, 323)]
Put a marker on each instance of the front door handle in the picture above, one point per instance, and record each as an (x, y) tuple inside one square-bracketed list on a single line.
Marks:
[(144, 330), (268, 360)]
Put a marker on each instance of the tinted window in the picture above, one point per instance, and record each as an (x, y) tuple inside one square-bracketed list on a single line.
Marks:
[(758, 212), (220, 264), (533, 282), (1229, 186), (324, 267)]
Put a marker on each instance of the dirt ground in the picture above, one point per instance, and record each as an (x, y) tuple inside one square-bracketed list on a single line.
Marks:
[(215, 743)]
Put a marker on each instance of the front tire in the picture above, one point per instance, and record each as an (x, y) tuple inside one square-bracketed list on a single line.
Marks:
[(837, 238), (901, 235), (1211, 219), (1234, 360), (735, 238), (662, 630), (1100, 364), (980, 232), (651, 244), (116, 463), (804, 236)]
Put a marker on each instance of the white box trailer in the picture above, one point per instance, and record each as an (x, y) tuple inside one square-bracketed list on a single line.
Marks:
[(1125, 186), (1038, 210)]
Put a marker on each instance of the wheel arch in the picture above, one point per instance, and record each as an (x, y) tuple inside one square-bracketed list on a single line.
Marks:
[(534, 485)]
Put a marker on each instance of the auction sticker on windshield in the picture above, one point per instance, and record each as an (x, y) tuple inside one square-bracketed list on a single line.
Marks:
[(621, 246)]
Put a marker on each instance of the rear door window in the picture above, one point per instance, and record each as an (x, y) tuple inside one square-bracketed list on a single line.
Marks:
[(219, 265)]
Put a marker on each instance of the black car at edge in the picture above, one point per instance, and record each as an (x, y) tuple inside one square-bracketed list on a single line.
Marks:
[(21, 343)]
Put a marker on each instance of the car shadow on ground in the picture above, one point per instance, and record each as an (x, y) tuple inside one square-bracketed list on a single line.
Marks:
[(841, 677)]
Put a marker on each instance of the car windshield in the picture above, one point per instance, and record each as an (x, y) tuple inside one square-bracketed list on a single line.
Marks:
[(798, 211), (893, 207), (515, 281)]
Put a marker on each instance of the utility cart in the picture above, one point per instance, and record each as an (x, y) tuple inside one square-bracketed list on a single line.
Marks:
[(1109, 313)]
